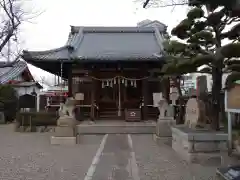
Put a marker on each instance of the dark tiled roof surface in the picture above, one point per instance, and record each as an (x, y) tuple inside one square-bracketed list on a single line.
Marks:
[(27, 84), (106, 43), (9, 73)]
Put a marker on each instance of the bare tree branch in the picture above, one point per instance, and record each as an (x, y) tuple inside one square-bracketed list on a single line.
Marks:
[(12, 15), (163, 3)]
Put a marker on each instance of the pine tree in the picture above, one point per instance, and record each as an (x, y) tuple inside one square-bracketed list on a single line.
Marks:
[(200, 43)]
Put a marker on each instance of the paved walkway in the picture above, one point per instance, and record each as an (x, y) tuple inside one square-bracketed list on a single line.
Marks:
[(138, 157), (29, 156)]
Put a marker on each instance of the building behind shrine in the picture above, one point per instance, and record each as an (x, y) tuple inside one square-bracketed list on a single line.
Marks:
[(116, 68), (20, 78)]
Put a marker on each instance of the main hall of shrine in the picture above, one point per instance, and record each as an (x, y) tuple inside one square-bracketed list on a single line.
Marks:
[(116, 68)]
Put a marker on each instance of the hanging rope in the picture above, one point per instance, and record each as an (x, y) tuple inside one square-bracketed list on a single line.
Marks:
[(118, 77)]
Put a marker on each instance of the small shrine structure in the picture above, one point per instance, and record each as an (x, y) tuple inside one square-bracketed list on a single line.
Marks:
[(19, 76)]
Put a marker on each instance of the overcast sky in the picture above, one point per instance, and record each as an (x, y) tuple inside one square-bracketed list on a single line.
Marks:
[(51, 28)]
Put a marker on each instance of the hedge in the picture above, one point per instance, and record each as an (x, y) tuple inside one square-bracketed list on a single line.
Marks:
[(37, 118)]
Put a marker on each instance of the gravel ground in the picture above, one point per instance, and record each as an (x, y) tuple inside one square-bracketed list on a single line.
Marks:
[(29, 156), (160, 162)]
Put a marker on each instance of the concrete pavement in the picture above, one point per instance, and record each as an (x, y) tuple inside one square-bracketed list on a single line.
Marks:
[(138, 157)]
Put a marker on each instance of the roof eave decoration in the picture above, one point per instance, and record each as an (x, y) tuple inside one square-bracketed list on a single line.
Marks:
[(155, 57), (53, 54)]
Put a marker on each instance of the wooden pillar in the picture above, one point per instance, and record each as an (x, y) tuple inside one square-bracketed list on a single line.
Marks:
[(70, 82), (145, 97), (93, 98)]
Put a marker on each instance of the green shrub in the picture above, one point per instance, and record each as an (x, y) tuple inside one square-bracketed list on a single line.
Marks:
[(37, 118), (9, 102)]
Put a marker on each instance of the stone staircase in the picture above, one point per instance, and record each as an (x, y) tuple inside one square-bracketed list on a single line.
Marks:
[(109, 114), (116, 127), (153, 113)]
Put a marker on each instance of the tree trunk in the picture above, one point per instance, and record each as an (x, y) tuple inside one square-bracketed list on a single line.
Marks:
[(180, 117), (216, 97), (166, 88)]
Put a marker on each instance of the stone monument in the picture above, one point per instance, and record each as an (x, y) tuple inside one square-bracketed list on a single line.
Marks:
[(201, 85), (195, 114), (174, 95), (65, 132), (193, 140)]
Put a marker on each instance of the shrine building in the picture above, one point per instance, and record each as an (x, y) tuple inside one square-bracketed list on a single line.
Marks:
[(116, 68)]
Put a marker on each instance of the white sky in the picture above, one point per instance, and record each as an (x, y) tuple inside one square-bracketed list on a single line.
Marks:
[(51, 28)]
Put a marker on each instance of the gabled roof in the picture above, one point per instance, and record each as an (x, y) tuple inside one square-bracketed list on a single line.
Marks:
[(61, 53), (105, 43), (28, 84), (9, 73)]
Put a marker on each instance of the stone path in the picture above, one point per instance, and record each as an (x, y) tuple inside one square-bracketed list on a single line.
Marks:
[(138, 157), (117, 160)]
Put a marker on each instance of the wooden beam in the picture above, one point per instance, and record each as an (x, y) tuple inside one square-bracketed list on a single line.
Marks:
[(145, 97), (70, 83)]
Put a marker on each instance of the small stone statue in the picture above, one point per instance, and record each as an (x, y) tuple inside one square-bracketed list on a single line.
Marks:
[(165, 109), (163, 105), (68, 108), (66, 112)]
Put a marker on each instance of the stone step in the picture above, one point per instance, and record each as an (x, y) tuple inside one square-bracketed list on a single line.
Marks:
[(124, 128)]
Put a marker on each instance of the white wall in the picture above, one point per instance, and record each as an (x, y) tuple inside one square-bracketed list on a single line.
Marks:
[(26, 90)]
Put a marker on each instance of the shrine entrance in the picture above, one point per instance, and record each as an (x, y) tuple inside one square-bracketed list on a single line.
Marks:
[(116, 95)]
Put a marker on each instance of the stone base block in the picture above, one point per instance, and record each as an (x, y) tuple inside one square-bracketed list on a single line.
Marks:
[(122, 128), (66, 121), (163, 127), (162, 140), (64, 131), (55, 140), (199, 146)]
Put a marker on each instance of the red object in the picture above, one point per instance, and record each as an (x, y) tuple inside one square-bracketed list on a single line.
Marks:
[(57, 94), (13, 82)]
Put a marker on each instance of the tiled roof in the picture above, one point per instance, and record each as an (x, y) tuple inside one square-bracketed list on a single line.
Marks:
[(27, 84), (9, 73), (106, 43), (54, 54)]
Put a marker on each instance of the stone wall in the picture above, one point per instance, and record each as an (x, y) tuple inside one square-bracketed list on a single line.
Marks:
[(196, 146), (40, 129)]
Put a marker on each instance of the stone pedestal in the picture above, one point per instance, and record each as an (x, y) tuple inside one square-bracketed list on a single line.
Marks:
[(60, 140), (65, 132), (199, 146), (163, 130), (163, 126)]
